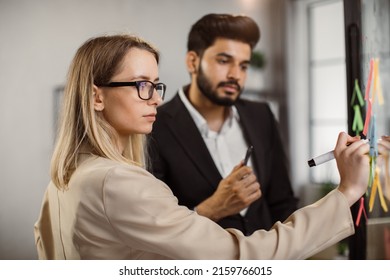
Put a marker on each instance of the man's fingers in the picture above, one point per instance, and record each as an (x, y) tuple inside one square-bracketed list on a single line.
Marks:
[(242, 172)]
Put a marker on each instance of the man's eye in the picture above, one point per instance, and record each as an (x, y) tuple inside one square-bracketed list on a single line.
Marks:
[(222, 61)]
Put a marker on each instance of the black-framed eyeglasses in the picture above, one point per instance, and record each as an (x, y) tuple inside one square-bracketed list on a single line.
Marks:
[(145, 88)]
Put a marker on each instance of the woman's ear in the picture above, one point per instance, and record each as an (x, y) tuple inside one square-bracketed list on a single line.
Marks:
[(192, 62), (98, 99)]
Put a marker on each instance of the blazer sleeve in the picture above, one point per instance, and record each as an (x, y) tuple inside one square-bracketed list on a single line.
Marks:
[(43, 232), (146, 216)]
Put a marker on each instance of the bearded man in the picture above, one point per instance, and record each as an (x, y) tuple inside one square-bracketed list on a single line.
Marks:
[(200, 137)]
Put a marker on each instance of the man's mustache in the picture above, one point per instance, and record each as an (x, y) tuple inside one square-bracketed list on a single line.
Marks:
[(230, 83)]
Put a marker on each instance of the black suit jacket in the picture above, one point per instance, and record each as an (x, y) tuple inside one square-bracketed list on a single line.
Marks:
[(181, 159)]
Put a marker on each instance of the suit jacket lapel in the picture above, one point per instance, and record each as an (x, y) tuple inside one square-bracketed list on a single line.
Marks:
[(252, 132), (182, 126)]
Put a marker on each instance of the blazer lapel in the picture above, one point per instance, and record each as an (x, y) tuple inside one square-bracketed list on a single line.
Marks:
[(253, 130), (184, 129)]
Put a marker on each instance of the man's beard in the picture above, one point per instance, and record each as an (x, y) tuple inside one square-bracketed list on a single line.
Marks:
[(206, 88)]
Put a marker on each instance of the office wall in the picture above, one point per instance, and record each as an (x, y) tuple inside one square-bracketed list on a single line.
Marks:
[(38, 40)]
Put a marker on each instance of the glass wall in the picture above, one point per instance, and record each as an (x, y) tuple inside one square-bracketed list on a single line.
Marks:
[(375, 69)]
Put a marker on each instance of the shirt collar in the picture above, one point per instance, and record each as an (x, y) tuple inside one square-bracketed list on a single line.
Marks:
[(201, 122), (196, 116)]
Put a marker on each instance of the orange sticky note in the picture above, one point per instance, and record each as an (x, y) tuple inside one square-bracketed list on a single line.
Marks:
[(368, 87)]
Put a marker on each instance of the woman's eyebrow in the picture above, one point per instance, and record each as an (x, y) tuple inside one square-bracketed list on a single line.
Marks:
[(144, 77)]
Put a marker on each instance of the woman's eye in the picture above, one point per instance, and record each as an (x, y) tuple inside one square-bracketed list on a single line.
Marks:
[(142, 85)]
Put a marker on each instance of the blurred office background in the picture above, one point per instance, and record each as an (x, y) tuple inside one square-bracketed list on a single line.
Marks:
[(303, 80)]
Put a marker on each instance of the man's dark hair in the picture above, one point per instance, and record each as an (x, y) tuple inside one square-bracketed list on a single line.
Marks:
[(212, 26)]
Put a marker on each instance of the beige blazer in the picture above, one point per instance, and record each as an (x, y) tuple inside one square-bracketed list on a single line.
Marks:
[(117, 211)]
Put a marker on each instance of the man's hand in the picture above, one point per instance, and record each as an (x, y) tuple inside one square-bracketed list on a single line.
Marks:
[(234, 193)]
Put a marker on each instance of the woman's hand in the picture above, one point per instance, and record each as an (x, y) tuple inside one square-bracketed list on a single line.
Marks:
[(384, 146), (353, 164)]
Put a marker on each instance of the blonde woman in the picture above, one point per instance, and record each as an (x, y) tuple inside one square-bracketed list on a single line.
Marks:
[(102, 204)]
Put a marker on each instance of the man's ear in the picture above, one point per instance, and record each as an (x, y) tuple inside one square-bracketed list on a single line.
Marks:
[(192, 62), (98, 98)]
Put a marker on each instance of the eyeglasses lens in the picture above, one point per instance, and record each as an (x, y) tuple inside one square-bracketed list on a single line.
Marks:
[(160, 88), (146, 89)]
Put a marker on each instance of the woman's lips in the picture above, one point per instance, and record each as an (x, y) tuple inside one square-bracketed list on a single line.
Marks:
[(150, 117)]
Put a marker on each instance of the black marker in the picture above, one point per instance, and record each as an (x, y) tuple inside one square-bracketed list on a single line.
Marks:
[(248, 154)]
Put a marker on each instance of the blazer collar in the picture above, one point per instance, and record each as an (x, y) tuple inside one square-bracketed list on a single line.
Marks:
[(184, 129), (254, 130)]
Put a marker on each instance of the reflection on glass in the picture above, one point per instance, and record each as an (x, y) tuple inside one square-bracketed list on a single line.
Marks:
[(376, 45)]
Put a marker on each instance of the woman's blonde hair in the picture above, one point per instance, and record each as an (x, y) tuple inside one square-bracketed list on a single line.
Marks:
[(95, 63)]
